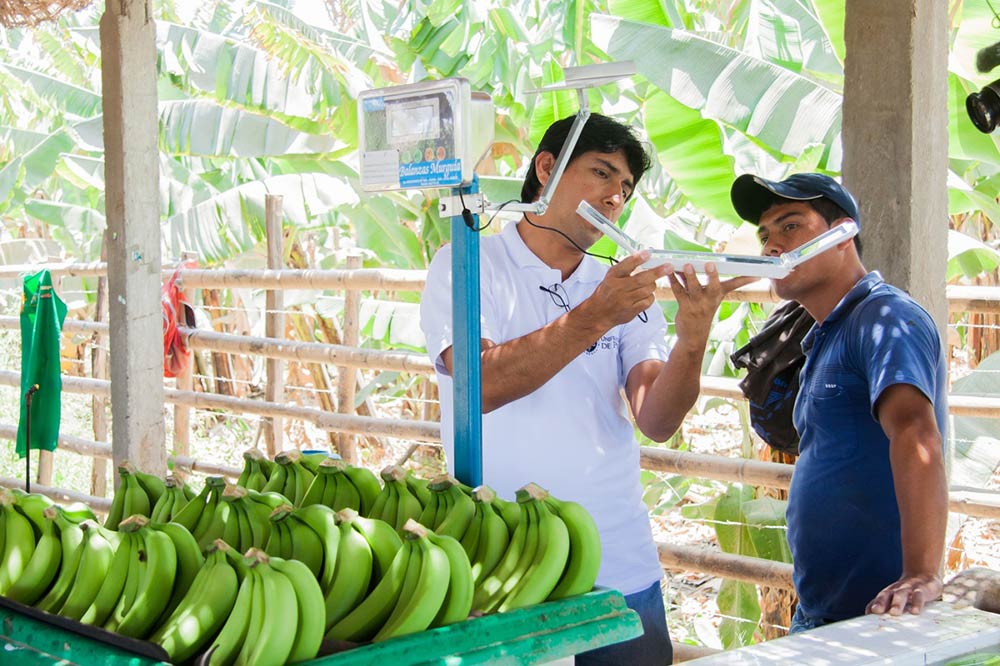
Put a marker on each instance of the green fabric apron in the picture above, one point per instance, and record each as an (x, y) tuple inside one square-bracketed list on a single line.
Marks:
[(42, 316)]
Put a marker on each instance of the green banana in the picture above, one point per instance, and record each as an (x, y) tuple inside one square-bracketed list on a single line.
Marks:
[(390, 511), (312, 461), (459, 515), (111, 589), (382, 538), (584, 562), (226, 646), (152, 485), (493, 540), (32, 506), (314, 494), (171, 502), (203, 609), (470, 539), (346, 495), (323, 522), (130, 589), (429, 513), (311, 608), (117, 510), (417, 607), (306, 545), (190, 513), (206, 519), (157, 571), (71, 537), (19, 542), (367, 484), (458, 599), (352, 575), (418, 487), (190, 561), (43, 566), (549, 562), (258, 615), (510, 512), (276, 482), (137, 502), (367, 617), (95, 561)]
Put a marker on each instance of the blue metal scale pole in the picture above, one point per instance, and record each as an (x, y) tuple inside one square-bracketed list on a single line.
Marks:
[(466, 374)]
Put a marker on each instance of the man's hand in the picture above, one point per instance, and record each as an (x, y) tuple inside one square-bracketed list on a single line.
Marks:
[(697, 303), (908, 594), (624, 292)]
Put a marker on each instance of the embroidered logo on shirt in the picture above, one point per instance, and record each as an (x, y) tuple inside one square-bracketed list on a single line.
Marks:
[(606, 342)]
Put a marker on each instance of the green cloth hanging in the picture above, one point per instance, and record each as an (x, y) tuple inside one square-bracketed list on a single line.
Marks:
[(42, 317)]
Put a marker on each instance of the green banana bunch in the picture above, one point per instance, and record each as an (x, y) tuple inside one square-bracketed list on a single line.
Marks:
[(341, 486), (18, 546), (109, 595), (132, 498), (382, 538), (171, 501), (546, 568), (580, 574), (290, 478), (292, 538), (154, 566), (43, 566), (264, 626), (395, 504), (93, 564), (198, 515), (256, 470), (203, 610), (30, 505), (71, 537), (486, 540), (424, 588), (364, 621), (458, 597)]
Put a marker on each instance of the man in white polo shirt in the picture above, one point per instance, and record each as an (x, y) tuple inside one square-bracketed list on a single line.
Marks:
[(562, 336)]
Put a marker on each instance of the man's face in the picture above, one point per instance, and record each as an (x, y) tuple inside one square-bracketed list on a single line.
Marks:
[(784, 227), (601, 179)]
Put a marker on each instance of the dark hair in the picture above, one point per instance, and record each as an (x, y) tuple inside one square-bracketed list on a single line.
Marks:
[(827, 209), (600, 134)]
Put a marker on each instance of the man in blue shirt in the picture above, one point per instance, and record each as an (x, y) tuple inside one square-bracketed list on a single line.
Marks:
[(868, 502)]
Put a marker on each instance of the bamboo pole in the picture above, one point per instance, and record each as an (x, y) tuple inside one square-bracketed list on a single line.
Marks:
[(99, 370), (274, 322), (347, 377), (98, 504), (704, 466), (736, 567)]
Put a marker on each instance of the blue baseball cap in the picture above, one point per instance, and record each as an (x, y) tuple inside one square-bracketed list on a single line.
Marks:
[(752, 195)]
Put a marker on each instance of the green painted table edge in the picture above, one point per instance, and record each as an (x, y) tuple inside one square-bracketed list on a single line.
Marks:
[(27, 640), (530, 635)]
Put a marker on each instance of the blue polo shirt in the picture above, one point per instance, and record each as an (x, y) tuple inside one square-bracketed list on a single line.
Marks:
[(843, 520)]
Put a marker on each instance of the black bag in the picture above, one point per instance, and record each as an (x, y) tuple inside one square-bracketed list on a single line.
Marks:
[(773, 359)]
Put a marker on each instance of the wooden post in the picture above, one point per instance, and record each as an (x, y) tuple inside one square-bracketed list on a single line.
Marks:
[(132, 195), (185, 382), (99, 370), (347, 377), (274, 322)]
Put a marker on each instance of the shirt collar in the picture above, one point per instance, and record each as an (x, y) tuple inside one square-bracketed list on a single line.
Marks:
[(858, 293), (589, 270)]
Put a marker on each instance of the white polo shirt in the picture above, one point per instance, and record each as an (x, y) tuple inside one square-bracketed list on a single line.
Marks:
[(573, 435)]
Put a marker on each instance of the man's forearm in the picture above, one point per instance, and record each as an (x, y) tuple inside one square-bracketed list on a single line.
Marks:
[(922, 495), (661, 410), (518, 367)]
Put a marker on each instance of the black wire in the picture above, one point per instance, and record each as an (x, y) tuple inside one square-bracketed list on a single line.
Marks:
[(470, 220)]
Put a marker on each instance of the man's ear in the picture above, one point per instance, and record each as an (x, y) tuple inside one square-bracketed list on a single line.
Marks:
[(545, 162)]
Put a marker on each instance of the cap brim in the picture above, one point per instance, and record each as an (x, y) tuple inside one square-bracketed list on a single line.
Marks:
[(751, 195)]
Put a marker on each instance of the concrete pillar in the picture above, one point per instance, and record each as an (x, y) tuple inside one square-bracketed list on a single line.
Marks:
[(896, 142), (131, 168)]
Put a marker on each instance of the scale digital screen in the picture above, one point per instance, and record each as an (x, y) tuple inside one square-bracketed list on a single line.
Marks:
[(413, 136)]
